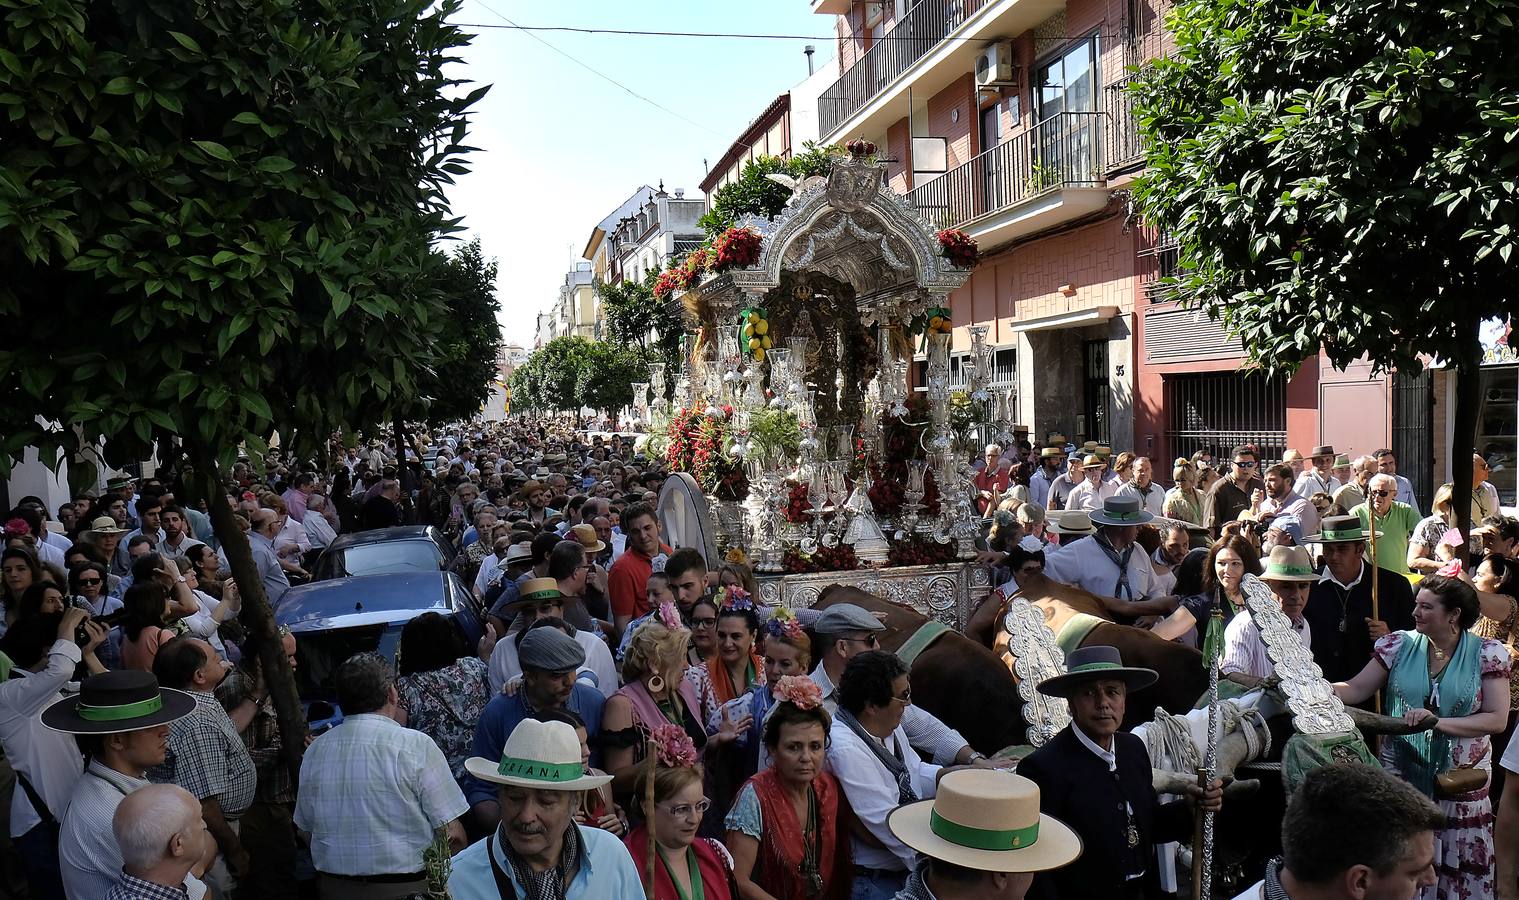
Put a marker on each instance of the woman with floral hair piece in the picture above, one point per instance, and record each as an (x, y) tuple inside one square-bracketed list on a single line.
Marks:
[(655, 692), (788, 651), (735, 668), (786, 830), (685, 866)]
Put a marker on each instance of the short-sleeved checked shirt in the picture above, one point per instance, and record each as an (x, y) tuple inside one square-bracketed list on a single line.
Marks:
[(207, 757), (129, 888), (261, 737), (372, 794)]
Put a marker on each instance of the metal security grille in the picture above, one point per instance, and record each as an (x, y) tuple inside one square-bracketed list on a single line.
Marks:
[(1218, 411), (1413, 428), (1096, 384)]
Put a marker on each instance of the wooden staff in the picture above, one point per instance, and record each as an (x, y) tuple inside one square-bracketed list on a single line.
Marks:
[(1371, 518), (651, 758)]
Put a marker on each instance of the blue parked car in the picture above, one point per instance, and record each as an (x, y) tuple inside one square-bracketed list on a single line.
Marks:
[(332, 620), (405, 548)]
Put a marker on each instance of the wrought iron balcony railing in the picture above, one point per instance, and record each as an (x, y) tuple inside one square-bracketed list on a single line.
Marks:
[(1064, 150), (915, 34)]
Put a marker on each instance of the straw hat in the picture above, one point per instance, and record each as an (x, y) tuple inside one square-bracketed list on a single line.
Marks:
[(1088, 664), (1072, 521), (529, 488), (540, 755), (106, 525), (1321, 450), (988, 820), (586, 535), (1289, 564), (1049, 452), (1092, 461)]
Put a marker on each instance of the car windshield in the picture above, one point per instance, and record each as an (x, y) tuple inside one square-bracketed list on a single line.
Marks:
[(319, 653), (381, 558)]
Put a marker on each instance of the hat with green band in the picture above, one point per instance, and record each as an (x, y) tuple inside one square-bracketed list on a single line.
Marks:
[(1122, 510), (1340, 530), (988, 820), (1289, 564), (1087, 664), (114, 702), (541, 755)]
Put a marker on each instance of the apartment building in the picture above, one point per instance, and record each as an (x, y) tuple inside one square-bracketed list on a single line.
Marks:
[(1009, 119)]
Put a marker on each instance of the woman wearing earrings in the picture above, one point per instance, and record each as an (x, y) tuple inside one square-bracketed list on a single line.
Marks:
[(1442, 669)]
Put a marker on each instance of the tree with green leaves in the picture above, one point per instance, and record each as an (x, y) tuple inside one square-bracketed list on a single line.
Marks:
[(570, 373), (755, 194), (216, 221), (1342, 177), (469, 338)]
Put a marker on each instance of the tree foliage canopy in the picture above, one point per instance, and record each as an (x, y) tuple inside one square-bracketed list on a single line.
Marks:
[(1340, 175), (216, 217), (754, 194), (572, 372), (469, 339)]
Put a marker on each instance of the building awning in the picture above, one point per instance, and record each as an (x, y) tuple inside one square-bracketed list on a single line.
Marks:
[(1077, 319)]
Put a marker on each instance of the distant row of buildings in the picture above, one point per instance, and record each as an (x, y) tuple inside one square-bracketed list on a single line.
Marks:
[(1011, 120)]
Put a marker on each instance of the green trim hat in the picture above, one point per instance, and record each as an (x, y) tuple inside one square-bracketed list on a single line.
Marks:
[(1289, 564), (1087, 664), (540, 755), (988, 820), (535, 590), (116, 702), (1340, 530), (1122, 510)]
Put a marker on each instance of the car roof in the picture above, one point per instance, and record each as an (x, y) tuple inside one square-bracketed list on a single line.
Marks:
[(381, 535), (358, 600)]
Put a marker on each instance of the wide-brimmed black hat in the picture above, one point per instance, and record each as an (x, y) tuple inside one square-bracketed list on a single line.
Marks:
[(113, 702), (1087, 664)]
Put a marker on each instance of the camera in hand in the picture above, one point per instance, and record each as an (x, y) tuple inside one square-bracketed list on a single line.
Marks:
[(82, 634)]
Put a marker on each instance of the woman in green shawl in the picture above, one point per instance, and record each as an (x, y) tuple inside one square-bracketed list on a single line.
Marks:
[(1441, 669)]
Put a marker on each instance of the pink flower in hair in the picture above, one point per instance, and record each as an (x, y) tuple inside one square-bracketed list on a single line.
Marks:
[(800, 691), (675, 747), (669, 617)]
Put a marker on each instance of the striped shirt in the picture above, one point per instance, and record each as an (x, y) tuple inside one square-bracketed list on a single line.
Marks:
[(88, 856), (372, 794)]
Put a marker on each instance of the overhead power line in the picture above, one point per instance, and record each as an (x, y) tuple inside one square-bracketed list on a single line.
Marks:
[(599, 74)]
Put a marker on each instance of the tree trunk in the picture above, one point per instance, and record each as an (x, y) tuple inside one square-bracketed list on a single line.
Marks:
[(257, 616), (1464, 426)]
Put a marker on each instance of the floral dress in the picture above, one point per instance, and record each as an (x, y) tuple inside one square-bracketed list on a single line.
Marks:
[(1464, 857), (445, 704)]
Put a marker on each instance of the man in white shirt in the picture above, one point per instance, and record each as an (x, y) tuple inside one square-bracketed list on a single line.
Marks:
[(1110, 563), (1290, 574), (1152, 497), (1318, 479), (1484, 496), (1094, 487), (47, 763), (176, 534), (878, 771)]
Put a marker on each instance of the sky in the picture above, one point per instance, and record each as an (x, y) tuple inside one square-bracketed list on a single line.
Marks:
[(561, 147)]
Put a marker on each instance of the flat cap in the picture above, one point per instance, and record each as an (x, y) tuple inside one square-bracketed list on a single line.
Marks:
[(551, 650), (844, 618)]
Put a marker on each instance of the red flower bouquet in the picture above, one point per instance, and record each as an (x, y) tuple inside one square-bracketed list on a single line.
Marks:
[(736, 247), (959, 248)]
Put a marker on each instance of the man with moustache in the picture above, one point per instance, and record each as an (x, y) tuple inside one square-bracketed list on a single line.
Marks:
[(1290, 575)]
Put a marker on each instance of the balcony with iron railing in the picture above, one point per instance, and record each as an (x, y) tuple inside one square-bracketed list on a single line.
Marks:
[(1052, 172), (924, 26), (935, 43)]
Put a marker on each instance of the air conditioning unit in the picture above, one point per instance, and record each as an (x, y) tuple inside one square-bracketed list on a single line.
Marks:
[(994, 65)]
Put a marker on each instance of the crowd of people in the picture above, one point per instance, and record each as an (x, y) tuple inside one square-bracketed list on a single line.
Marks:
[(636, 715)]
